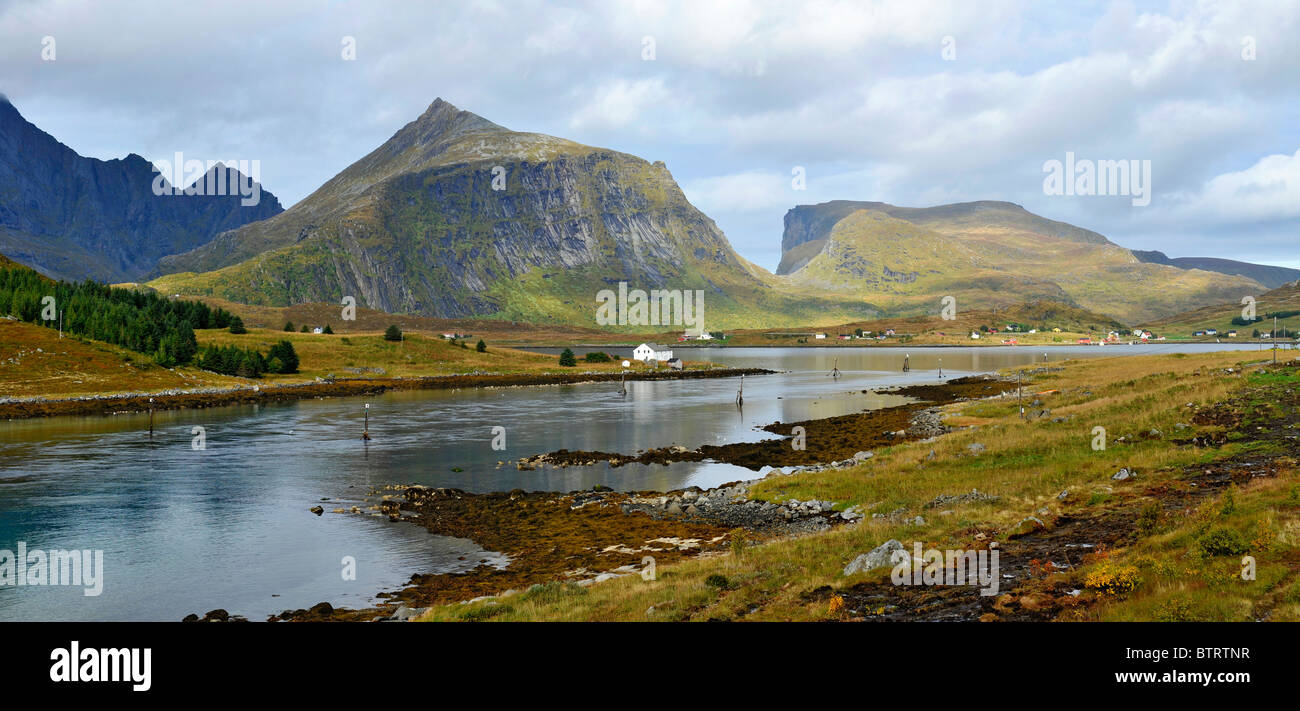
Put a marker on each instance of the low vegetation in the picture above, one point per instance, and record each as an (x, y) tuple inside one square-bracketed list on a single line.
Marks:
[(1209, 440)]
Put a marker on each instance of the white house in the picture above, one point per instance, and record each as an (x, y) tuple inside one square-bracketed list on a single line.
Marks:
[(651, 351)]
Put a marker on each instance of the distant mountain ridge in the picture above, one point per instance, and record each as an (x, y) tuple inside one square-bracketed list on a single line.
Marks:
[(73, 217), (984, 254), (807, 226), (1270, 276)]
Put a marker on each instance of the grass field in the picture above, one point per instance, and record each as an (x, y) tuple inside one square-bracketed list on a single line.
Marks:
[(35, 362), (1179, 536)]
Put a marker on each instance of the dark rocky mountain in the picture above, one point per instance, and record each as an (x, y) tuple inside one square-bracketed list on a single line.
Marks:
[(1270, 276), (73, 217)]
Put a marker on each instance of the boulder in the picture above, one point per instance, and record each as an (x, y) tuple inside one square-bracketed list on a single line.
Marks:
[(881, 557)]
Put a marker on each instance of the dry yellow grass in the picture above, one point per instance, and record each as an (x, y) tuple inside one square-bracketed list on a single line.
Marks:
[(35, 362), (1026, 463)]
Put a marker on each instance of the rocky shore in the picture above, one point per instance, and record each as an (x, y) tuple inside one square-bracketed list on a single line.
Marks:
[(587, 537), (827, 442)]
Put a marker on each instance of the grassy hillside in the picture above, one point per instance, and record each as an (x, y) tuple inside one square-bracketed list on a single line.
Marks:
[(996, 254), (34, 362), (1043, 316), (1173, 535), (1283, 299)]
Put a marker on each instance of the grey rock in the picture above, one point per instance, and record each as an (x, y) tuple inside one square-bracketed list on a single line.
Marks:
[(882, 556)]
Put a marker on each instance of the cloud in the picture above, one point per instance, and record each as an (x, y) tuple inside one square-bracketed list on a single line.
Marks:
[(620, 104), (738, 93)]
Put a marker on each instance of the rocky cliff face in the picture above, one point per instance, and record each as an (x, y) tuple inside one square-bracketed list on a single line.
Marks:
[(456, 216), (73, 217)]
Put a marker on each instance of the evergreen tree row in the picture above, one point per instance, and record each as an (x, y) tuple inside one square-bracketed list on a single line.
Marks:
[(139, 321), (248, 362)]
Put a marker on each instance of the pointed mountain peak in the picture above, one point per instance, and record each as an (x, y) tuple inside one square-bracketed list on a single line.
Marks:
[(443, 120)]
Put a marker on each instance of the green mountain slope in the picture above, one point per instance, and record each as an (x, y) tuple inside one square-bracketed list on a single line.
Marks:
[(1283, 301), (419, 226), (996, 253)]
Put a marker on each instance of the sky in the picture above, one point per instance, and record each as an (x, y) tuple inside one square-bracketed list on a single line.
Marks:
[(755, 106)]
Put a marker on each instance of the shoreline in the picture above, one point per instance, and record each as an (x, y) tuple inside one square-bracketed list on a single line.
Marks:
[(29, 408), (589, 536)]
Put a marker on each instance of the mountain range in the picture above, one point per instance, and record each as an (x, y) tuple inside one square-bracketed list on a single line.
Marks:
[(456, 216), (73, 217)]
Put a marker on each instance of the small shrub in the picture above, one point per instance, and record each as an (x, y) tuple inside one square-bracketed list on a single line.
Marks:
[(837, 608), (393, 333), (1149, 518), (596, 357), (738, 540), (718, 581), (1228, 503), (567, 359), (1222, 540), (481, 347), (237, 326), (1174, 610), (486, 612), (1112, 579), (288, 326)]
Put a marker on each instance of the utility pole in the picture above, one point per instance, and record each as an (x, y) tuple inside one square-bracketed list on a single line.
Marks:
[(365, 434), (1274, 339)]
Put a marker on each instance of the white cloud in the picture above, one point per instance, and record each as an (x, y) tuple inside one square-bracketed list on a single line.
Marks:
[(621, 103), (739, 92)]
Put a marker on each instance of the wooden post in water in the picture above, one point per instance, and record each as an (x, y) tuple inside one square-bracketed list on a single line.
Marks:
[(906, 365), (1274, 340), (835, 369), (941, 368), (740, 394), (150, 418), (365, 434)]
